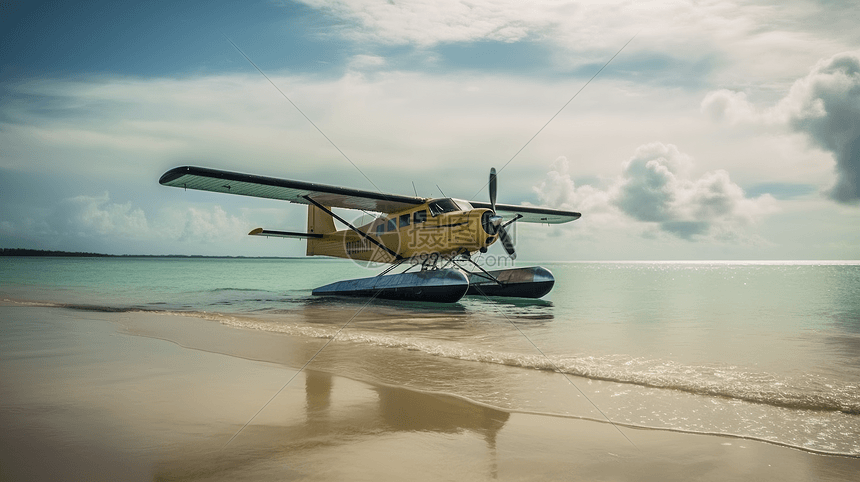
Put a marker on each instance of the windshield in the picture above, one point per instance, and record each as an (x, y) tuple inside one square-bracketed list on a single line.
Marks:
[(439, 206)]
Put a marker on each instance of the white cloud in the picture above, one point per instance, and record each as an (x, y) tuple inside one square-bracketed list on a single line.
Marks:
[(559, 190), (759, 39), (204, 225), (656, 188), (824, 105), (431, 22), (85, 216), (366, 62), (729, 106), (393, 122), (96, 215), (437, 126)]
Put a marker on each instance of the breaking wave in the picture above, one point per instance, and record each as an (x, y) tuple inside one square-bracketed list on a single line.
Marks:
[(808, 392)]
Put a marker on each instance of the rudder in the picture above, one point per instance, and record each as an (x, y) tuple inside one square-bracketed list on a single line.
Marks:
[(319, 222)]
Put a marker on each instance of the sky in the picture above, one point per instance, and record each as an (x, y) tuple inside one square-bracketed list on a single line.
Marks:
[(724, 130)]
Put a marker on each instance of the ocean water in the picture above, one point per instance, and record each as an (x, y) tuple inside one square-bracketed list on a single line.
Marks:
[(761, 350)]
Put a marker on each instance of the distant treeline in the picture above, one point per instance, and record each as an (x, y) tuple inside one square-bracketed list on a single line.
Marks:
[(41, 252), (75, 254)]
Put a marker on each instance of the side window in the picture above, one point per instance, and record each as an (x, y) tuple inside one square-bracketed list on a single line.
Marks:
[(419, 216), (392, 225), (404, 220), (380, 228)]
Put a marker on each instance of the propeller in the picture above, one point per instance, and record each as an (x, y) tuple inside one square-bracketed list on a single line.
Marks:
[(493, 189), (507, 242), (496, 221)]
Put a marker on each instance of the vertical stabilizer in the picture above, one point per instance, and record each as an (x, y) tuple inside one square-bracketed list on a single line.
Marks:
[(319, 222)]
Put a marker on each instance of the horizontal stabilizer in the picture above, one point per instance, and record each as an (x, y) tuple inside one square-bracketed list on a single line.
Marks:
[(283, 234)]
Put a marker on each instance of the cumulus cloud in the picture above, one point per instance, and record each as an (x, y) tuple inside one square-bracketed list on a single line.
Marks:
[(88, 215), (824, 105), (600, 215), (559, 190), (729, 106), (201, 225), (655, 187), (96, 216)]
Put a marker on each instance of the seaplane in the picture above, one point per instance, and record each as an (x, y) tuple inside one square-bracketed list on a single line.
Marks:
[(436, 238)]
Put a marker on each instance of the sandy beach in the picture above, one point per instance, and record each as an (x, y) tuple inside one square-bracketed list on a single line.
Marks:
[(140, 396)]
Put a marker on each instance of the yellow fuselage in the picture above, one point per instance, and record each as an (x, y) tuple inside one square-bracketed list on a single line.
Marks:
[(413, 233)]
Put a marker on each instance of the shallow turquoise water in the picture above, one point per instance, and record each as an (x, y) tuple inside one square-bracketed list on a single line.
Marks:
[(764, 350)]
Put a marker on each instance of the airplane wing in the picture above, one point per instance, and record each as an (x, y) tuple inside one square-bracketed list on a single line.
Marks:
[(530, 214), (205, 179)]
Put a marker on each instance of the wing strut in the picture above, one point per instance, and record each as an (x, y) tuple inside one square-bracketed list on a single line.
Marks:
[(350, 226)]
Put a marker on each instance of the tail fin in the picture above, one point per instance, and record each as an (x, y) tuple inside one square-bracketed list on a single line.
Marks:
[(319, 222)]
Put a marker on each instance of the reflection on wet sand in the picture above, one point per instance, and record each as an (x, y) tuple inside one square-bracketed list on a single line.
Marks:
[(320, 309), (81, 401), (412, 411), (326, 425)]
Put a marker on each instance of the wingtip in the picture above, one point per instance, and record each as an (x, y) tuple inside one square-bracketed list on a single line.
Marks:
[(172, 175)]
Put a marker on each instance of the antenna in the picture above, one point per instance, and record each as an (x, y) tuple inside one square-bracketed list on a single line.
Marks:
[(440, 190), (413, 188)]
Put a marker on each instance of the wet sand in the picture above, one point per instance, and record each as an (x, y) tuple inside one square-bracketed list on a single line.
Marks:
[(137, 396)]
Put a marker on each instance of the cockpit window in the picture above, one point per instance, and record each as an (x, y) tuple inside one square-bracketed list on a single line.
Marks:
[(439, 206)]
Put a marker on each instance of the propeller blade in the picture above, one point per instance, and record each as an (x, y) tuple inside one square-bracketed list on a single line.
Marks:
[(506, 242), (493, 189)]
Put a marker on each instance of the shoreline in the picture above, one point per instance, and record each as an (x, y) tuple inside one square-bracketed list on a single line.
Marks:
[(486, 405), (231, 325), (164, 398), (198, 322)]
